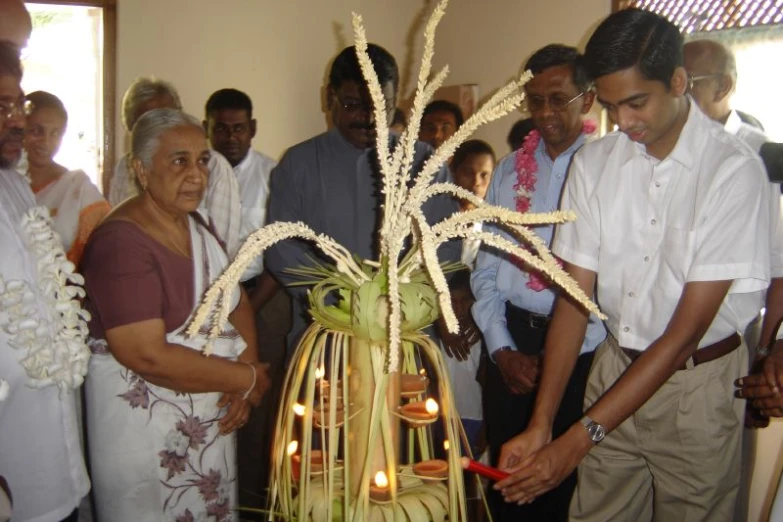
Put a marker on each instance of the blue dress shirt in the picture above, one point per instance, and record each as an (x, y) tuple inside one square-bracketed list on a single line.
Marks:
[(496, 280)]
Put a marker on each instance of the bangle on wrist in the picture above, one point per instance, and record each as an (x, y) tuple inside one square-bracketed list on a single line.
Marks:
[(249, 390)]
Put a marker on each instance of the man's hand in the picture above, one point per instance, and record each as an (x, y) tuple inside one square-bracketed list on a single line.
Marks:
[(763, 390), (237, 414), (519, 371), (519, 448), (458, 345), (546, 468)]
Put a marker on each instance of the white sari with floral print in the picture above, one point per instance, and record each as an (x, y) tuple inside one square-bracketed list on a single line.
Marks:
[(156, 454)]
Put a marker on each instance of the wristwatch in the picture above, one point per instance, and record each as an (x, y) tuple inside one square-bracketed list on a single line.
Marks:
[(595, 431)]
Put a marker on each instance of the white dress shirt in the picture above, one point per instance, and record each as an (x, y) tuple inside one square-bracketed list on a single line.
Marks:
[(756, 138), (40, 452), (647, 227), (253, 175), (222, 202)]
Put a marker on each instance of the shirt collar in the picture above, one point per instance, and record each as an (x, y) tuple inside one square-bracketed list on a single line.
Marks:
[(246, 161), (570, 151), (733, 123), (688, 141)]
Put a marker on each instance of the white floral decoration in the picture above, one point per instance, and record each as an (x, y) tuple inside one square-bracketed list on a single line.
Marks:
[(51, 345)]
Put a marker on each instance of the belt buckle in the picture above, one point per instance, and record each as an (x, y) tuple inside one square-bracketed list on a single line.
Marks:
[(538, 321)]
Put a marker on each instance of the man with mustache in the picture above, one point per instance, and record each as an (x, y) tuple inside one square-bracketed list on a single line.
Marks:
[(672, 237), (332, 183), (512, 311)]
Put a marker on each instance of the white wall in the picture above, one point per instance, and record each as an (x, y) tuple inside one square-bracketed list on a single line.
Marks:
[(278, 51)]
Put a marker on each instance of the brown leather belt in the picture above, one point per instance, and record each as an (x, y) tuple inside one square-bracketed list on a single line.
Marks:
[(702, 355)]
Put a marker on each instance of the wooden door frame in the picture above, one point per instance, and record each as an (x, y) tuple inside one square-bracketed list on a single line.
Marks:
[(109, 140)]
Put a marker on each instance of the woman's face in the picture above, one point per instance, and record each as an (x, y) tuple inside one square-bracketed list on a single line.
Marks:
[(177, 178), (43, 135)]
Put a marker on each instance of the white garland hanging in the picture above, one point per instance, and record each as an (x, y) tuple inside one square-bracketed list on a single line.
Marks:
[(52, 345)]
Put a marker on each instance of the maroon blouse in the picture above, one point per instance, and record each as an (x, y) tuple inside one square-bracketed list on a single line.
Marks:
[(130, 277)]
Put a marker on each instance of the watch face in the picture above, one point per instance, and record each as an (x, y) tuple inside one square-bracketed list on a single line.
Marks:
[(596, 432)]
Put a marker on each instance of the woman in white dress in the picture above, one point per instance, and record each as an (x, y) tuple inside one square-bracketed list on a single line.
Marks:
[(75, 203), (161, 416)]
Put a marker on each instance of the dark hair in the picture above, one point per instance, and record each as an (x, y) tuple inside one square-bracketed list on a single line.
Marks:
[(635, 38), (460, 280), (399, 117), (557, 54), (518, 132), (444, 106), (470, 148), (229, 99), (47, 100), (10, 64), (346, 67)]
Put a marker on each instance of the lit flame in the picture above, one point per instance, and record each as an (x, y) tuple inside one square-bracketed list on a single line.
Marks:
[(423, 372), (431, 406), (299, 409), (380, 480), (292, 447), (319, 372), (446, 445)]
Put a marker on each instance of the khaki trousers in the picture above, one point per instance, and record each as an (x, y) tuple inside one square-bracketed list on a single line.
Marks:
[(677, 458)]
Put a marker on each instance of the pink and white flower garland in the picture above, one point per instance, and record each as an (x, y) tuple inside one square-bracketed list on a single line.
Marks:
[(525, 186)]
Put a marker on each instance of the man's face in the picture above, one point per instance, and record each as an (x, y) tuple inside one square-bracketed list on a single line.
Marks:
[(12, 121), (474, 174), (437, 127), (645, 110), (708, 88), (230, 132), (556, 106), (352, 113)]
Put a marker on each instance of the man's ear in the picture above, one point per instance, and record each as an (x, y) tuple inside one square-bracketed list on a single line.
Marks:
[(725, 86), (589, 99), (252, 128), (679, 82)]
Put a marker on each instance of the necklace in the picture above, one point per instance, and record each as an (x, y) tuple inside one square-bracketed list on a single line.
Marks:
[(525, 186)]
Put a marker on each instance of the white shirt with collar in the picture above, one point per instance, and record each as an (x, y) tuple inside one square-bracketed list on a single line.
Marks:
[(647, 227), (756, 138), (253, 174)]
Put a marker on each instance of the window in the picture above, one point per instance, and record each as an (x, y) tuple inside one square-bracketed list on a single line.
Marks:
[(753, 30), (71, 55)]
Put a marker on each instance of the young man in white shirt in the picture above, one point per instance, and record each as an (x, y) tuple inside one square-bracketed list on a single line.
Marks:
[(664, 208), (230, 128)]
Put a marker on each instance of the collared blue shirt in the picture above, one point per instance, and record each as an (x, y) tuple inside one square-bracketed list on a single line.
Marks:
[(496, 280)]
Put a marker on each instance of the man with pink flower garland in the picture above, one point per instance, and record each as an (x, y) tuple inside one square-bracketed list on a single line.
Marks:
[(514, 304)]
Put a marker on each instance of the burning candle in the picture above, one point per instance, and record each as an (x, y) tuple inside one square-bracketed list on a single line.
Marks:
[(299, 409), (319, 372), (379, 489), (493, 474), (446, 445), (420, 412)]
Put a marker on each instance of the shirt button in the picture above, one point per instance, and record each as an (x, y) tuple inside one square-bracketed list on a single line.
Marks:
[(626, 329), (657, 183), (631, 294), (646, 258), (653, 221)]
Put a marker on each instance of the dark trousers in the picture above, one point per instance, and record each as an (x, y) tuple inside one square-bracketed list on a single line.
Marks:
[(254, 439), (507, 415)]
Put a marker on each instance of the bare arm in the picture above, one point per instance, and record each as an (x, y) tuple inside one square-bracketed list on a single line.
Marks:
[(243, 319), (266, 287), (774, 313), (142, 347)]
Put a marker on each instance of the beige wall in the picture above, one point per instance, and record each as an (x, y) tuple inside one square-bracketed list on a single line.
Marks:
[(277, 51)]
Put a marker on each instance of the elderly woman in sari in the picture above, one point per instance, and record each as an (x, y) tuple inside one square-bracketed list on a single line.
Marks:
[(75, 203), (161, 415)]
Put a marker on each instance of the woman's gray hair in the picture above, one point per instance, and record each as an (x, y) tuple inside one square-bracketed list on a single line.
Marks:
[(142, 90), (145, 137)]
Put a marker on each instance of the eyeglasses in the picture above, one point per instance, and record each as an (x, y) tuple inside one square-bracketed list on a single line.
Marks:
[(556, 102), (700, 77), (223, 130), (20, 107), (356, 106)]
